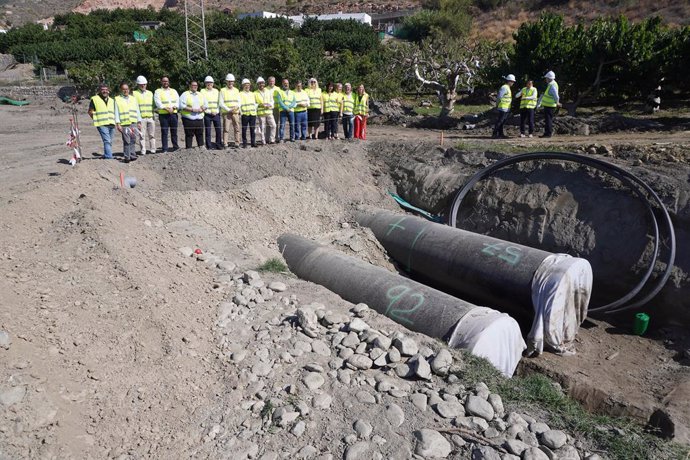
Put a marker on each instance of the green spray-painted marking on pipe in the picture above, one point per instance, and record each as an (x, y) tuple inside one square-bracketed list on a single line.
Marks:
[(395, 225), (398, 293), (509, 254), (409, 254)]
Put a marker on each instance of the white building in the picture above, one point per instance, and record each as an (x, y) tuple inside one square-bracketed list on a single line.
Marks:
[(260, 14), (299, 19)]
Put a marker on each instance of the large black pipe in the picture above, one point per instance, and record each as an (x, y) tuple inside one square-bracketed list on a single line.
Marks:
[(482, 331), (414, 305), (480, 268)]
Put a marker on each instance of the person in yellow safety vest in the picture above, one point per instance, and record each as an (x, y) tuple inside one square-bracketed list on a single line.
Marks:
[(315, 108), (229, 102), (332, 105), (301, 106), (549, 100), (361, 113), (192, 108), (102, 112), (128, 121), (167, 101), (503, 101), (339, 92), (266, 125), (148, 123), (528, 102), (348, 111), (248, 106), (212, 114), (286, 104)]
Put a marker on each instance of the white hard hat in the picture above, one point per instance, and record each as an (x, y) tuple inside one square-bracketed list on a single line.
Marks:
[(550, 75), (208, 79), (229, 77), (246, 81), (141, 80), (509, 77), (260, 80)]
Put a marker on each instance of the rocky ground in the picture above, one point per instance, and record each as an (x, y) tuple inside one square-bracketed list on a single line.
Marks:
[(118, 341)]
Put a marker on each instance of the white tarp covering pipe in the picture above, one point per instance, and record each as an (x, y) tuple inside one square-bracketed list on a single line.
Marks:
[(483, 331), (551, 290)]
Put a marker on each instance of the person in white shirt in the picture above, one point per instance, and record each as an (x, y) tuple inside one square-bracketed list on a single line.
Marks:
[(192, 108)]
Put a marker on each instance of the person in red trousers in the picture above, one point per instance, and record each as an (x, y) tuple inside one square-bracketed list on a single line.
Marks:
[(361, 113)]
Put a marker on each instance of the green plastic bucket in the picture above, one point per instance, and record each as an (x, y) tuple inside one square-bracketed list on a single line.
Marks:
[(641, 323)]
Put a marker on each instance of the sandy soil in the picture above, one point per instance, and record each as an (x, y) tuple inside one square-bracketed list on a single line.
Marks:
[(117, 338)]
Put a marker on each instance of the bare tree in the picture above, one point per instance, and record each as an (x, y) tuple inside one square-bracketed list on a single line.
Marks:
[(448, 66)]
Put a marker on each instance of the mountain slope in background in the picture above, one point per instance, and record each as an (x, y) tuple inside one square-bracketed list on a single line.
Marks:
[(499, 23)]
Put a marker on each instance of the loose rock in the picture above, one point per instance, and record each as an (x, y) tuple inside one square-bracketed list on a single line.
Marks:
[(441, 363), (406, 346), (553, 439), (363, 428), (12, 396), (322, 401), (420, 367), (479, 407), (5, 340), (358, 451), (534, 453), (277, 286), (360, 362), (419, 400), (358, 325), (395, 415), (313, 380), (450, 409), (485, 453), (431, 444)]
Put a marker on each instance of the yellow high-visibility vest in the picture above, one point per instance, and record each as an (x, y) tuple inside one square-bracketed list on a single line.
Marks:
[(248, 101), (528, 103), (261, 97), (104, 114), (127, 109), (547, 99), (507, 98), (145, 101), (168, 98), (362, 104), (230, 98), (331, 102), (301, 97), (211, 97), (348, 103), (315, 100)]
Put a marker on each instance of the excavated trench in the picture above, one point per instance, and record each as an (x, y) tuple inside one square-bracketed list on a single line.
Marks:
[(551, 206), (569, 208)]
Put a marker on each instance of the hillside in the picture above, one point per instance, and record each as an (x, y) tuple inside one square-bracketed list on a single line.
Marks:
[(498, 23)]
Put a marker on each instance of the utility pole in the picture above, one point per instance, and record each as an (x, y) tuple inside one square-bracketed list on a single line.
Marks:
[(195, 30)]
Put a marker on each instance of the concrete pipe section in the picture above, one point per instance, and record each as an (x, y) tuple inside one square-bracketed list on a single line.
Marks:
[(482, 331), (553, 290)]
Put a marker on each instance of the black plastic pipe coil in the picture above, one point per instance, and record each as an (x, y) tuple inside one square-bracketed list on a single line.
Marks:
[(635, 184)]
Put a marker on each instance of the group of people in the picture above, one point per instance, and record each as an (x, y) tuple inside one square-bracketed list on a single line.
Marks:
[(529, 102), (256, 116)]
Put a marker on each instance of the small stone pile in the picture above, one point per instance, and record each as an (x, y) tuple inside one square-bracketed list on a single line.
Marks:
[(309, 382)]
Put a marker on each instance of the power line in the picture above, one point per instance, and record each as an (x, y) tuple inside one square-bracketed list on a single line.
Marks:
[(195, 30)]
